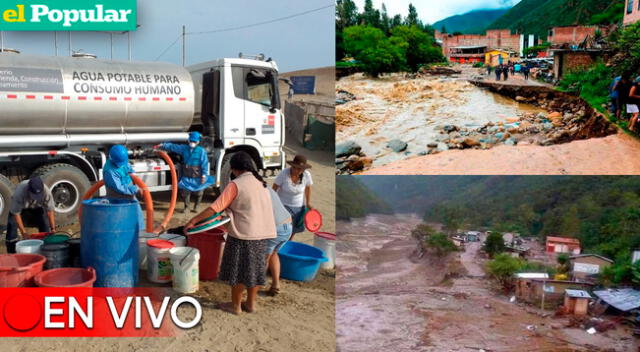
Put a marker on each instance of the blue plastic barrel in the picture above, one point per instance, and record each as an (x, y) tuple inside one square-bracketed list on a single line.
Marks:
[(109, 241), (299, 261)]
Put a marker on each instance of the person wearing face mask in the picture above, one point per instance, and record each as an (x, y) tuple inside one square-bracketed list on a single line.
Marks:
[(194, 176)]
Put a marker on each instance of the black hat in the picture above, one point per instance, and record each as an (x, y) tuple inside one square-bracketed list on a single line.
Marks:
[(36, 188)]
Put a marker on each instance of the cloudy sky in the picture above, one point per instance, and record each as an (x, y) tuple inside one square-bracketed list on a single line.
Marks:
[(306, 41), (431, 11)]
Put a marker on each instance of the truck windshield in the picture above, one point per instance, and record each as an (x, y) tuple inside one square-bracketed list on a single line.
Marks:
[(258, 85)]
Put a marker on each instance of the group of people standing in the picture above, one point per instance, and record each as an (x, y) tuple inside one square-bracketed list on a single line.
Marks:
[(624, 92), (504, 70), (262, 219)]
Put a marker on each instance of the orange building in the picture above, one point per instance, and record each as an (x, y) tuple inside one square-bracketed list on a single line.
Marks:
[(563, 245)]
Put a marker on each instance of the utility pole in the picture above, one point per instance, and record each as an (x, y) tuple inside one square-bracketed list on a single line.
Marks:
[(129, 39), (544, 287), (55, 41), (184, 46), (111, 37), (70, 46), (1, 41)]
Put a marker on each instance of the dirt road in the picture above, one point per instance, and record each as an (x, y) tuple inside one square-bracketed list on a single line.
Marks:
[(389, 299)]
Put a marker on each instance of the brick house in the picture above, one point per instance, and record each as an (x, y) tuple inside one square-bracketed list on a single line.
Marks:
[(473, 47), (562, 245), (632, 12)]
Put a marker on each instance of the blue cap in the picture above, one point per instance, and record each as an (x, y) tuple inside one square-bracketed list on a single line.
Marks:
[(36, 188), (119, 155), (194, 137)]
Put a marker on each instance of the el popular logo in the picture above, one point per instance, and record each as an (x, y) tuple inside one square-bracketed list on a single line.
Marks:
[(68, 15)]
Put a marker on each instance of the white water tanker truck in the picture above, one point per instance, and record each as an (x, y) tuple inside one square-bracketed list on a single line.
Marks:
[(60, 115)]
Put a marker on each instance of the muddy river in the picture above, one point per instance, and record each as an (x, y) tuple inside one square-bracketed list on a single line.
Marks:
[(388, 299), (415, 111)]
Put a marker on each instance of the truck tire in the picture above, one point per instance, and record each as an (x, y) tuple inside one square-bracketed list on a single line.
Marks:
[(6, 191), (68, 185), (225, 171)]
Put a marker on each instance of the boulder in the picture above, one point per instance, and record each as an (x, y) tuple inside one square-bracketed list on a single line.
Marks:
[(450, 128), (397, 145), (347, 148), (470, 143)]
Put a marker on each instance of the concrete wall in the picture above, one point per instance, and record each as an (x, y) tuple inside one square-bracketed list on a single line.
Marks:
[(634, 16), (588, 260), (567, 61)]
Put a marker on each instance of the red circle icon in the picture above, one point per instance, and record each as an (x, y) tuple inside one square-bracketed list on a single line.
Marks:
[(22, 312)]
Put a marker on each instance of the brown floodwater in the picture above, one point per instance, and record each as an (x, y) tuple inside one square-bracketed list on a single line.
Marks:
[(414, 111)]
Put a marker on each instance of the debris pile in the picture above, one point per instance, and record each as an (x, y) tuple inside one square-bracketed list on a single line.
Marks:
[(343, 97), (543, 129), (350, 158), (439, 70)]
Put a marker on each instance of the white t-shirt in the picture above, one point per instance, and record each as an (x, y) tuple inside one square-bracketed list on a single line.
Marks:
[(291, 194)]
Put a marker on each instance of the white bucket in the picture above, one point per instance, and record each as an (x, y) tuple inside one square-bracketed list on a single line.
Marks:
[(29, 246), (159, 265), (143, 237), (178, 240), (328, 246), (186, 273)]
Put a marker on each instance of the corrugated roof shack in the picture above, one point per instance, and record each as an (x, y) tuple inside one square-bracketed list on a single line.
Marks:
[(535, 290), (576, 302), (587, 267)]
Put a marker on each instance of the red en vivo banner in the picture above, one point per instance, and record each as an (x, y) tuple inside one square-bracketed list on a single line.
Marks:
[(96, 312)]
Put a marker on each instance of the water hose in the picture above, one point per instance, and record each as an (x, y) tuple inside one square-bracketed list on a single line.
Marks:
[(148, 202), (174, 189)]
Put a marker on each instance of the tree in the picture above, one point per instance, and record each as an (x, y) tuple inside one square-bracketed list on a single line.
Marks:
[(346, 14), (563, 263), (370, 16), (374, 52), (385, 21), (396, 21), (503, 267), (494, 244), (443, 29), (412, 17), (440, 244), (421, 232), (451, 218), (420, 46)]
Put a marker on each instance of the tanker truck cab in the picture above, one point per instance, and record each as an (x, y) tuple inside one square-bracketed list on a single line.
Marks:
[(238, 107)]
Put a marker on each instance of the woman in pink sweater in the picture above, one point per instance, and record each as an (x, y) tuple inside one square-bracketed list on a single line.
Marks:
[(247, 202)]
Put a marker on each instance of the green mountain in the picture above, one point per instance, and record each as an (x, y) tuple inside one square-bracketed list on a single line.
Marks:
[(602, 211), (538, 16), (473, 22), (355, 200)]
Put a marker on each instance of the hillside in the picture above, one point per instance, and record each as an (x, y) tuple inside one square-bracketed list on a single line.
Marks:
[(355, 200), (602, 211), (538, 16), (473, 22)]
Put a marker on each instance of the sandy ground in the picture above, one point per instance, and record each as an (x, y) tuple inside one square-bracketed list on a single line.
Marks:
[(301, 318), (387, 297), (612, 155)]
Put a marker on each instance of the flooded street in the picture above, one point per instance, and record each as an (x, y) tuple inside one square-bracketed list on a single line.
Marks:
[(389, 298), (415, 111)]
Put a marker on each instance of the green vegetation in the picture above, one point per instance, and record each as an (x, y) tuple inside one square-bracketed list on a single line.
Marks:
[(434, 242), (473, 22), (591, 84), (503, 267), (355, 200), (381, 44), (494, 244), (534, 50), (537, 16)]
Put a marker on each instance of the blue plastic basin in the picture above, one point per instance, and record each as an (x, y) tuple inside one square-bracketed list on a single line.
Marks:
[(299, 261)]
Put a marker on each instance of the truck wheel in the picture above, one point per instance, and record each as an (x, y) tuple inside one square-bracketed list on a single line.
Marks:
[(6, 191), (225, 171), (68, 185)]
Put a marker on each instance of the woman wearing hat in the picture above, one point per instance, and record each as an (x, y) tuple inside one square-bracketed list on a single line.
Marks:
[(293, 185)]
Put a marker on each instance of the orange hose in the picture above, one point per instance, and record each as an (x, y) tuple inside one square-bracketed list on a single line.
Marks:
[(148, 202), (174, 189)]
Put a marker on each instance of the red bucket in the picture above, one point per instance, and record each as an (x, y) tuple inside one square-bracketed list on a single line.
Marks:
[(210, 244), (66, 277), (40, 235), (18, 270)]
